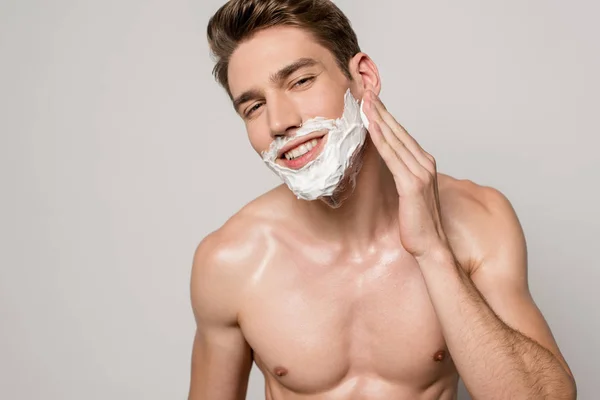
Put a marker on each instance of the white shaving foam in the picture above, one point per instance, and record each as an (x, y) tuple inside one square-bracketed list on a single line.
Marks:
[(321, 176)]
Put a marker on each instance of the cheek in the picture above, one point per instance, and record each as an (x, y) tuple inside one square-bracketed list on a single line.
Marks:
[(327, 102), (259, 141)]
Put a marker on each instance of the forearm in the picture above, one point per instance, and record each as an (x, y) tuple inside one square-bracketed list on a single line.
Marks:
[(494, 361)]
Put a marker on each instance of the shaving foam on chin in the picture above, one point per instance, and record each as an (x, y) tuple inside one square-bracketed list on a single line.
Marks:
[(321, 176)]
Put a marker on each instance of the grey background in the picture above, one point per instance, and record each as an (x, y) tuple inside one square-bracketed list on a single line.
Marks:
[(118, 153)]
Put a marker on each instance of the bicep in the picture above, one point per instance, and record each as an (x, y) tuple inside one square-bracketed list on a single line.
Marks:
[(512, 302), (501, 278), (221, 357), (221, 363)]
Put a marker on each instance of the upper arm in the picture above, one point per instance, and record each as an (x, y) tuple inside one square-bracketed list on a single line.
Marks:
[(501, 274), (221, 358)]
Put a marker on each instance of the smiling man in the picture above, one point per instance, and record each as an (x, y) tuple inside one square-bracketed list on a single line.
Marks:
[(367, 274)]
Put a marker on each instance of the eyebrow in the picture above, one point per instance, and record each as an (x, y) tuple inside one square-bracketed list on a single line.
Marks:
[(276, 78)]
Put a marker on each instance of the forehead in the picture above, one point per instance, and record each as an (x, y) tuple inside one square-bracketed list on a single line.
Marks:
[(268, 51)]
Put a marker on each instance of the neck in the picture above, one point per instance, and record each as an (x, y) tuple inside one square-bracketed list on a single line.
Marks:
[(369, 212)]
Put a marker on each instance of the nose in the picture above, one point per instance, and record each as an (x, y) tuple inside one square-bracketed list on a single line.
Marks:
[(283, 115)]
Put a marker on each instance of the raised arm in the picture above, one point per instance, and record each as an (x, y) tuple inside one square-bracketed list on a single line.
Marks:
[(221, 358), (499, 340)]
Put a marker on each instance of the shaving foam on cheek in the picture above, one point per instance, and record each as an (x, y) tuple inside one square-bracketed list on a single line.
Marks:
[(363, 117), (321, 176)]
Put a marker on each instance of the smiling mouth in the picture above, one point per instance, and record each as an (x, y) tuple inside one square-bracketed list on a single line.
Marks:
[(301, 155), (301, 150)]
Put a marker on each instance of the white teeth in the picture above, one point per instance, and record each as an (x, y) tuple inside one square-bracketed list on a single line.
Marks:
[(301, 150)]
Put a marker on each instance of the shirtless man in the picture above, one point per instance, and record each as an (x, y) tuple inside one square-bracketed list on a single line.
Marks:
[(380, 290)]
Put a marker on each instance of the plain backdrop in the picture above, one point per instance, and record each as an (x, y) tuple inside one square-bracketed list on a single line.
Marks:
[(119, 153)]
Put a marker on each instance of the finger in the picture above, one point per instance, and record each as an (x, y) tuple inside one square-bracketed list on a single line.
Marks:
[(398, 168), (398, 129), (411, 144), (392, 140)]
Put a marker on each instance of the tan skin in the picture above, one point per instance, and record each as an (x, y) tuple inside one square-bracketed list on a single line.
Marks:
[(418, 277)]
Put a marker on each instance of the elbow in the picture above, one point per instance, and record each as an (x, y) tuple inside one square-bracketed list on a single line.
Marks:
[(572, 388), (566, 389)]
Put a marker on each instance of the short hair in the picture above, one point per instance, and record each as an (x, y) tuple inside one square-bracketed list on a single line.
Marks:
[(238, 20)]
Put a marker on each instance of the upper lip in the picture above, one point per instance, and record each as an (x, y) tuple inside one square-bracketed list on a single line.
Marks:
[(301, 140)]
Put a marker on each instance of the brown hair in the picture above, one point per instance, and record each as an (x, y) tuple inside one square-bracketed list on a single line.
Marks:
[(238, 20)]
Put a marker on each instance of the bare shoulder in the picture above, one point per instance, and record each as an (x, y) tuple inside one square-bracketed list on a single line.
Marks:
[(225, 260), (460, 195), (477, 219)]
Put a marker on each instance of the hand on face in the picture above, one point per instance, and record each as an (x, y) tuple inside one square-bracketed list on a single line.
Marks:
[(415, 174)]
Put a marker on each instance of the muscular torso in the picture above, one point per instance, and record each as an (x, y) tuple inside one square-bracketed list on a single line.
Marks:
[(328, 322)]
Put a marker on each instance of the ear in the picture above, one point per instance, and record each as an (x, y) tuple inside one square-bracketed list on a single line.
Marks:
[(365, 75)]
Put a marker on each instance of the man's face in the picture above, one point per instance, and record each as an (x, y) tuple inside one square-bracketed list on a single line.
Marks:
[(280, 78)]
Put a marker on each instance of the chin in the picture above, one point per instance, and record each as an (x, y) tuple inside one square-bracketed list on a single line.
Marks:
[(344, 190), (346, 187)]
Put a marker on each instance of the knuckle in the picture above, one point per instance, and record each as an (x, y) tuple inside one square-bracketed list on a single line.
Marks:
[(431, 166), (432, 169), (425, 180), (430, 178), (415, 185)]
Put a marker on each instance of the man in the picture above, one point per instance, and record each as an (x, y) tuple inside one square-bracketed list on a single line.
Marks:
[(385, 281)]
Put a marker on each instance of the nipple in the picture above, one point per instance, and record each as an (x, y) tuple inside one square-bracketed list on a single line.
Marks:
[(439, 356), (280, 371)]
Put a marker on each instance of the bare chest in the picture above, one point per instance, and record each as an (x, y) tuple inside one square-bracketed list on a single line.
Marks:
[(312, 328)]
